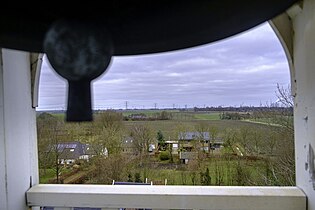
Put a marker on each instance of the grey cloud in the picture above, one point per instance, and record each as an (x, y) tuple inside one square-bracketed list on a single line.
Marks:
[(243, 69)]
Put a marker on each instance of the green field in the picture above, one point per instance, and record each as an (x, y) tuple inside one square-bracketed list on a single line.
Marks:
[(207, 116), (170, 127), (176, 114), (148, 112)]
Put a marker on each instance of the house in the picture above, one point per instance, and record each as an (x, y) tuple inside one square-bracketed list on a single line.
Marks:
[(128, 146), (189, 136), (190, 140), (173, 145), (152, 148), (69, 152)]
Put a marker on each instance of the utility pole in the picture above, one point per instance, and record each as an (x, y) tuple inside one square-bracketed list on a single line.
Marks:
[(155, 105), (126, 103)]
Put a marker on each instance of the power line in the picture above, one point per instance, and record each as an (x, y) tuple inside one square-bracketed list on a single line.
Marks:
[(126, 105)]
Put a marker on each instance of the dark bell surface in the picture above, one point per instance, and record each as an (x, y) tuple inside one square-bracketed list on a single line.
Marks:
[(78, 50)]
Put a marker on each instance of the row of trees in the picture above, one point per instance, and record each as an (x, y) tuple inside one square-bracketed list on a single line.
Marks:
[(163, 115)]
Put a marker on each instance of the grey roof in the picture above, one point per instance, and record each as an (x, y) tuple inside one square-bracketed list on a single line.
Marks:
[(90, 149), (74, 149), (69, 153), (70, 145), (193, 135)]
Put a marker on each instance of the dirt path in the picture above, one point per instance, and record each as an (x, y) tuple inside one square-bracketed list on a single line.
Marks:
[(77, 177)]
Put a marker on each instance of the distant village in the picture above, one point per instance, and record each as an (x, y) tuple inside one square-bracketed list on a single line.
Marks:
[(200, 146), (189, 142)]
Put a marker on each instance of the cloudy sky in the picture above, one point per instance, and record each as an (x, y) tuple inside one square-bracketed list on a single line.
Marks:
[(240, 70)]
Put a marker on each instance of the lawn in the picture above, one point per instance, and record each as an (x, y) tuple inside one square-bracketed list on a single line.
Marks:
[(225, 172), (60, 116), (49, 175), (263, 121), (45, 177)]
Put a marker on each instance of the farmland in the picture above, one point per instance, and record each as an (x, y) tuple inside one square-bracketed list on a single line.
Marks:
[(263, 144)]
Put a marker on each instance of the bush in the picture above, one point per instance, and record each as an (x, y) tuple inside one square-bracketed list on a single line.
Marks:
[(205, 177), (138, 177), (164, 155)]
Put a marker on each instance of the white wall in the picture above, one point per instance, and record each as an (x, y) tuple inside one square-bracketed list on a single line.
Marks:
[(18, 145), (304, 63)]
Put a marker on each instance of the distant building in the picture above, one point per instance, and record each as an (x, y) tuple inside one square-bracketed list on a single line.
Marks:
[(128, 146), (152, 148), (186, 138), (189, 136), (191, 142), (173, 145), (69, 152)]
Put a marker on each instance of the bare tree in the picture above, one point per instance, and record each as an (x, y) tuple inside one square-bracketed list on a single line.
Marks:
[(50, 133), (202, 129), (213, 136), (109, 169), (193, 167), (180, 132), (280, 141), (270, 141), (142, 136), (244, 137), (281, 113), (242, 175), (230, 137), (108, 133), (257, 140), (284, 165), (284, 96)]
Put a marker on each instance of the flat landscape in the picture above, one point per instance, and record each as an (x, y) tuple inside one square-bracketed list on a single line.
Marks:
[(250, 154)]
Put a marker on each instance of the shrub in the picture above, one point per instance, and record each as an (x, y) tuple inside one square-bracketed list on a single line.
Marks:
[(138, 177), (164, 155)]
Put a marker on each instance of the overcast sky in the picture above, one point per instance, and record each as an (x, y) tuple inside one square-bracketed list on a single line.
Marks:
[(240, 70)]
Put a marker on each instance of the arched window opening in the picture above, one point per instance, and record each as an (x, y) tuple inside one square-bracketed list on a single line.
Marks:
[(218, 114)]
